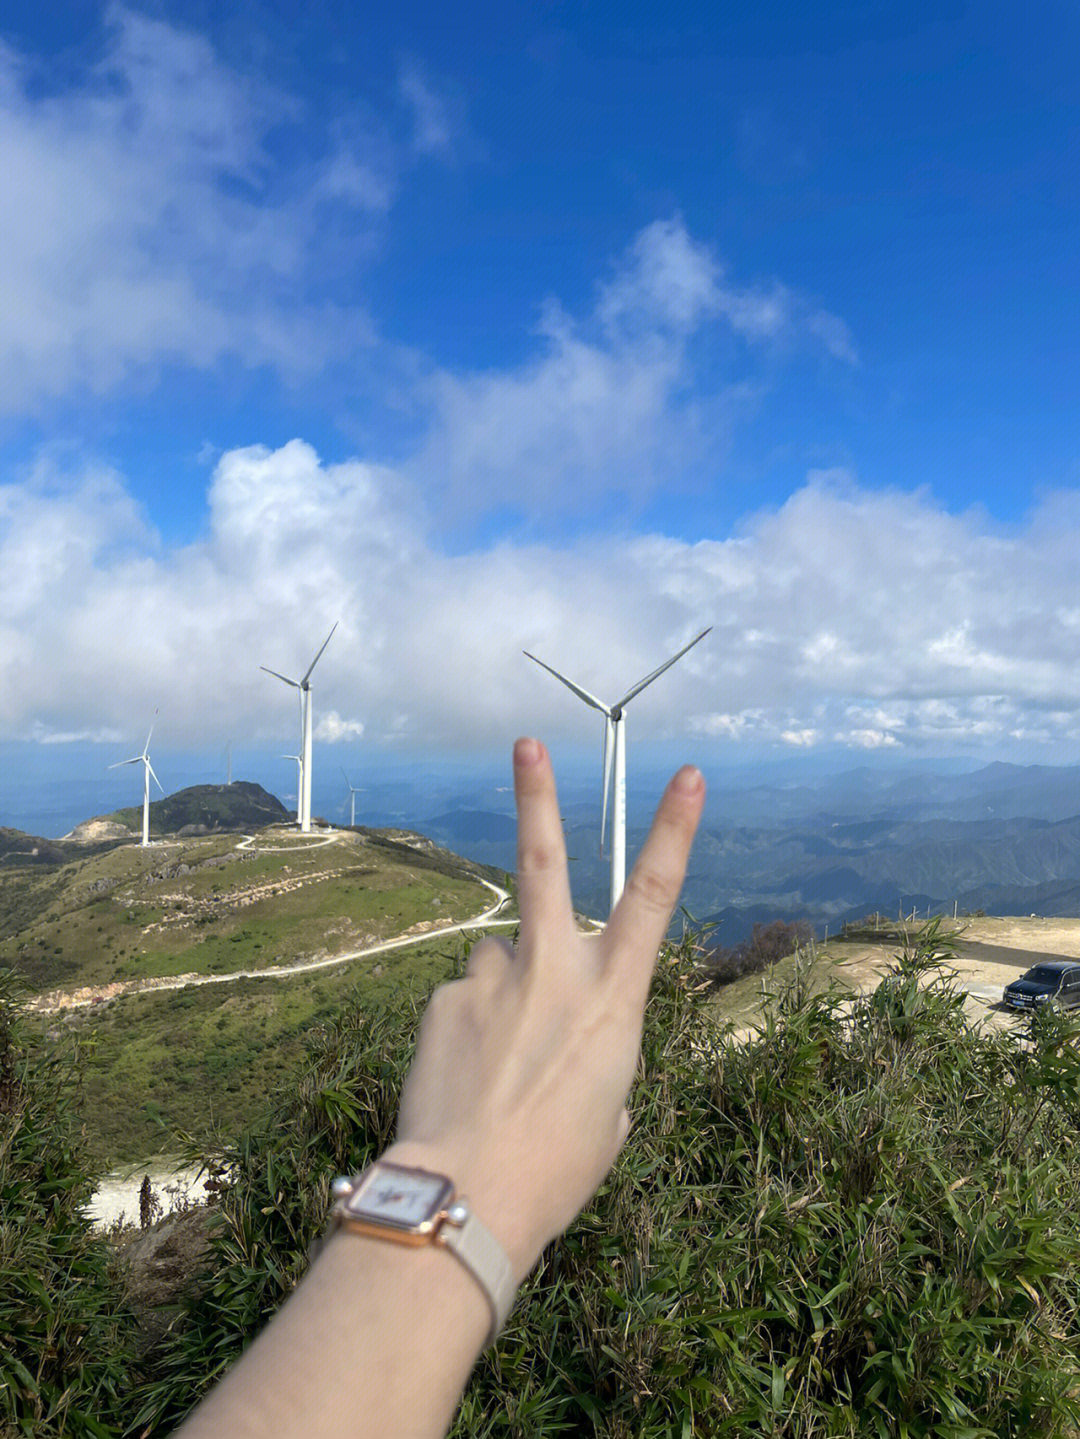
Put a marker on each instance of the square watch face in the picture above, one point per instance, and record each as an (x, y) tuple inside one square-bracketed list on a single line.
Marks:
[(404, 1198)]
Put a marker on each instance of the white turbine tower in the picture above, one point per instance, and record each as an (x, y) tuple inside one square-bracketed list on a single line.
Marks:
[(148, 770), (353, 792), (299, 785), (615, 759), (304, 688)]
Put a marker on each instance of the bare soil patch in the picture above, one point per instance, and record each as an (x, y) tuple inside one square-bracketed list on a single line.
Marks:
[(992, 952)]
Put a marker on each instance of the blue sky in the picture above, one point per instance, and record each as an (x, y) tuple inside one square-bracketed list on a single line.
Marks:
[(569, 328)]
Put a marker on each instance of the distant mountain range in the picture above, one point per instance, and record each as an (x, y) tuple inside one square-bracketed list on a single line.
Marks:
[(1003, 838)]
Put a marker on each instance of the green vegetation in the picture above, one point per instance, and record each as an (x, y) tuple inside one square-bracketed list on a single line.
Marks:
[(207, 807), (67, 1343), (865, 1222), (159, 1061), (205, 906), (204, 1060), (862, 1221)]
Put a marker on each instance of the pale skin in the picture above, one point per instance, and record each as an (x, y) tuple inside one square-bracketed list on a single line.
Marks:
[(518, 1092)]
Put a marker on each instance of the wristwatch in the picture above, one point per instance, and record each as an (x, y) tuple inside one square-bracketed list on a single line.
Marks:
[(416, 1206)]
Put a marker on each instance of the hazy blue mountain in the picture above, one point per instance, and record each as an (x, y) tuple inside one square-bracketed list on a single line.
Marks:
[(1004, 838)]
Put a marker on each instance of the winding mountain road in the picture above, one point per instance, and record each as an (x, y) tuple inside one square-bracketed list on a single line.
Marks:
[(56, 1001)]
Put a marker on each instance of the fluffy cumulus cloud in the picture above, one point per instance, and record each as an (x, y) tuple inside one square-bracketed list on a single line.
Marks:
[(615, 402), (867, 619), (146, 216), (333, 729)]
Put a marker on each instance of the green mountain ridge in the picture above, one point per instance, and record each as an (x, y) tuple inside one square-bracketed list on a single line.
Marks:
[(204, 809), (173, 961)]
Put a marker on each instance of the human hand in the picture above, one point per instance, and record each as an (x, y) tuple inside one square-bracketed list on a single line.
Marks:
[(522, 1068)]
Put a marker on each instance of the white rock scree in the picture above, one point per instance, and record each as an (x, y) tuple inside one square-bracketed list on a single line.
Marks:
[(116, 1199)]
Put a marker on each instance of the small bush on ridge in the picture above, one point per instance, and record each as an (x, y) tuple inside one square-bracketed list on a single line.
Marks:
[(767, 943)]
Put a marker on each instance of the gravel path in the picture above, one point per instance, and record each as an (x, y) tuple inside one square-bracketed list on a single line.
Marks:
[(54, 1002)]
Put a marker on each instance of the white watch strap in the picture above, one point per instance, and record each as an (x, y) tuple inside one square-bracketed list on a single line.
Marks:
[(474, 1245)]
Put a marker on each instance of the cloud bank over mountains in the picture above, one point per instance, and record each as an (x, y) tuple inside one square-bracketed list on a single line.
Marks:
[(845, 616), (167, 208)]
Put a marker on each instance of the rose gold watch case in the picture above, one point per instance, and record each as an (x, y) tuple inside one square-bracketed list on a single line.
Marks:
[(351, 1212)]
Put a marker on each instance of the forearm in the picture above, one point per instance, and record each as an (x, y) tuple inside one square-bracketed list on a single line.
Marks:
[(378, 1339)]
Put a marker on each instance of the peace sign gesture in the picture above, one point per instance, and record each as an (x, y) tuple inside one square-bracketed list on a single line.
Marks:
[(522, 1068)]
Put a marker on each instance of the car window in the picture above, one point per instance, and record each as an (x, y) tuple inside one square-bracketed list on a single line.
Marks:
[(1043, 974)]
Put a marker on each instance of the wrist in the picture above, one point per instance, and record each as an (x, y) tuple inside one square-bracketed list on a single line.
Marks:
[(490, 1197)]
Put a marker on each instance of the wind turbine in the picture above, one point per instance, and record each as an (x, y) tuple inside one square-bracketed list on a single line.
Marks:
[(299, 785), (148, 770), (615, 759), (304, 687), (353, 792)]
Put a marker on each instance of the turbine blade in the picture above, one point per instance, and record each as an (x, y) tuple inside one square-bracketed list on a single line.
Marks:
[(135, 758), (641, 684), (295, 683), (570, 685), (609, 760), (150, 767), (149, 732), (315, 661)]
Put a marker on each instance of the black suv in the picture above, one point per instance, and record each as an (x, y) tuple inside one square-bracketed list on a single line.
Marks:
[(1056, 979)]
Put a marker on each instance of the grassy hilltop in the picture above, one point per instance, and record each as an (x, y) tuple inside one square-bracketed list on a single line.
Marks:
[(210, 808), (95, 936)]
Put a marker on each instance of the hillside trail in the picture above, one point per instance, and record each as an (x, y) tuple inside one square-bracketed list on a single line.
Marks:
[(57, 1000)]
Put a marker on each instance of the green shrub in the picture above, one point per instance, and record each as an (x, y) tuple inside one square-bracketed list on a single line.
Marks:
[(337, 1119), (66, 1341), (865, 1221)]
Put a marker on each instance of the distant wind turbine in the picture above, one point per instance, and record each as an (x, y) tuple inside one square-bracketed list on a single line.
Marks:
[(615, 759), (148, 770), (304, 687), (299, 785), (353, 792)]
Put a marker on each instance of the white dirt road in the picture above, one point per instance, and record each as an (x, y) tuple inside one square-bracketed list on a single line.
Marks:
[(57, 1001)]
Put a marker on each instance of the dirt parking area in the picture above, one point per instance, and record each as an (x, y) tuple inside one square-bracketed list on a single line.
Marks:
[(992, 952)]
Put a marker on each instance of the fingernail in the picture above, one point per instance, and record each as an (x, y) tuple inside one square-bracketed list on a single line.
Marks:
[(528, 751), (689, 780)]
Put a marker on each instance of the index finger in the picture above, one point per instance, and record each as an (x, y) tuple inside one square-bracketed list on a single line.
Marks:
[(639, 921), (543, 881)]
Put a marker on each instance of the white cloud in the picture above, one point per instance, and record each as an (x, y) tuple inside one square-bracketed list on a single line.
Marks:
[(800, 738), (102, 735), (867, 739), (954, 633), (614, 402), (333, 729), (433, 131), (146, 217)]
